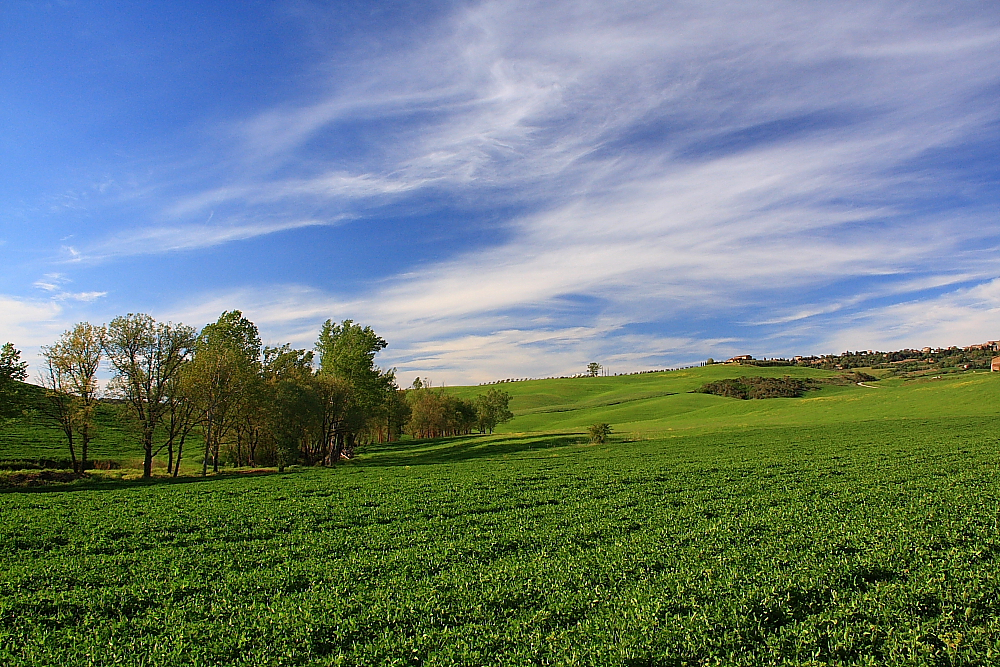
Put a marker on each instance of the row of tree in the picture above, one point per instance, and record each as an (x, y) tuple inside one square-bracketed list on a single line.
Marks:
[(250, 404), (435, 414)]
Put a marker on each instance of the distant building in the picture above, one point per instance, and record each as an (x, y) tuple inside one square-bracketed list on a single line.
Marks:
[(739, 358), (995, 364)]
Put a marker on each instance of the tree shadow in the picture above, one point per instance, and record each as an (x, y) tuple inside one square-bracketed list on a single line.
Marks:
[(455, 450), (110, 484)]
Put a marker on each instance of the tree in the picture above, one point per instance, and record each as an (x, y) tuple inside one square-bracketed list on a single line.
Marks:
[(13, 372), (146, 356), (72, 364), (436, 414), (225, 366), (347, 352), (492, 409), (293, 413), (599, 433), (181, 417), (593, 368), (59, 404)]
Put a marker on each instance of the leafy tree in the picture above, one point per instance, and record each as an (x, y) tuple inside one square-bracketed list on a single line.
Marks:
[(72, 364), (347, 352), (224, 370), (13, 372), (334, 396), (599, 433), (593, 368), (398, 413), (492, 409), (435, 414), (295, 408), (293, 414), (146, 356)]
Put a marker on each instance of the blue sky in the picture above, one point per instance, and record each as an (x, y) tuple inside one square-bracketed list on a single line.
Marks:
[(507, 189)]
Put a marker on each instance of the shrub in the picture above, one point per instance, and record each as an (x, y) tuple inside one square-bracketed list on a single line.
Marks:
[(599, 433)]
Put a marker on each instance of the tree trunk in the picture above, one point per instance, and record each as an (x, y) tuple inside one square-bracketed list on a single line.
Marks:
[(180, 449), (204, 459), (147, 459), (72, 454)]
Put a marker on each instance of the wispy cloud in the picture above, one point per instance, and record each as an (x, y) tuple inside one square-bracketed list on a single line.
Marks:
[(154, 240), (728, 173), (961, 317)]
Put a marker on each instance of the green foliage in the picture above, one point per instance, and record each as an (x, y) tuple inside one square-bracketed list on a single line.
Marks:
[(492, 409), (593, 369), (434, 414), (756, 387), (347, 352), (13, 373), (599, 433)]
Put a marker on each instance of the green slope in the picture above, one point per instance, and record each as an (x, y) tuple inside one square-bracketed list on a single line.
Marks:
[(34, 437), (662, 402)]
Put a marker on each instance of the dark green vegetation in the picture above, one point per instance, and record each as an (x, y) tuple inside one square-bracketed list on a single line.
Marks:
[(756, 387), (854, 525)]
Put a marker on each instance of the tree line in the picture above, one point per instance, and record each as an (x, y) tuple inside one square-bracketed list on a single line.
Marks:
[(250, 404)]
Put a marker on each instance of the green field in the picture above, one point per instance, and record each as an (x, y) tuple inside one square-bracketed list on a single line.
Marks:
[(852, 526)]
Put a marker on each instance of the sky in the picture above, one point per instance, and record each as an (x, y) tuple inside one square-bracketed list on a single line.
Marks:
[(507, 189)]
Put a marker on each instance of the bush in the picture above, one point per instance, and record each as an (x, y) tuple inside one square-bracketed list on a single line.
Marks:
[(599, 433)]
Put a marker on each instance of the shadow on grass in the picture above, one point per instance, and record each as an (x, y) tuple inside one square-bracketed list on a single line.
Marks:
[(467, 448), (91, 484), (455, 449)]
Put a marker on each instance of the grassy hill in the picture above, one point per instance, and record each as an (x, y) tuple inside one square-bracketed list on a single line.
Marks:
[(34, 437), (657, 403)]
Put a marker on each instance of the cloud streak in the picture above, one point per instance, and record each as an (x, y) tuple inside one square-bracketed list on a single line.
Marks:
[(660, 182)]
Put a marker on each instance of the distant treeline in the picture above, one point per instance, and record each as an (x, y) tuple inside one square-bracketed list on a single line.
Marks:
[(898, 361), (252, 405)]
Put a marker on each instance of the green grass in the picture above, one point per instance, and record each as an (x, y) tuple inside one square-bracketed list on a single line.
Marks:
[(853, 526), (34, 437), (657, 403)]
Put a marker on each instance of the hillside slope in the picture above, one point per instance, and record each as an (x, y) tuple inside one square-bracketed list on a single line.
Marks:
[(661, 402)]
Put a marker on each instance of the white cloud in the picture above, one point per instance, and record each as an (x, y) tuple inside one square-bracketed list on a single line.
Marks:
[(50, 282), (961, 317), (668, 160), (153, 240)]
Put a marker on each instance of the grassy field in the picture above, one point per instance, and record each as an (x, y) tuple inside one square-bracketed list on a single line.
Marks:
[(853, 526), (34, 438)]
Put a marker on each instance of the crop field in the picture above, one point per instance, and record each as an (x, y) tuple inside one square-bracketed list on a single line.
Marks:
[(853, 526)]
